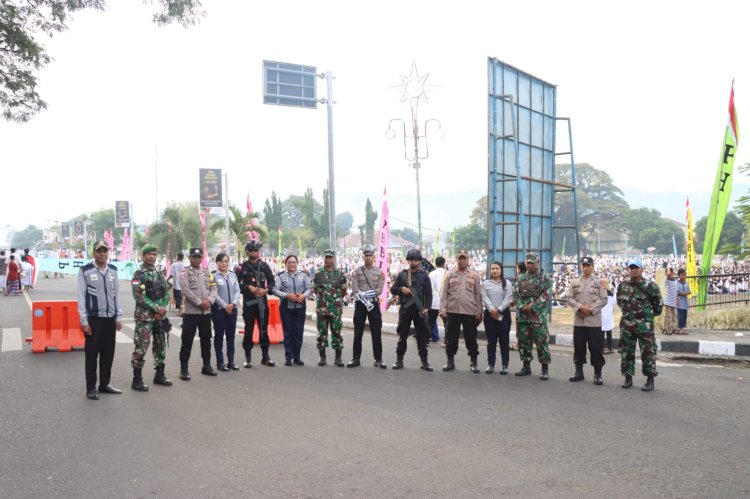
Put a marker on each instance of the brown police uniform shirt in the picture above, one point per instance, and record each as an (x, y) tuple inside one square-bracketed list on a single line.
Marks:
[(364, 279), (587, 291), (461, 293), (197, 285)]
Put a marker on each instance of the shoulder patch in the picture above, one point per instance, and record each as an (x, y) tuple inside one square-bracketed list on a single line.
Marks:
[(87, 267), (112, 267)]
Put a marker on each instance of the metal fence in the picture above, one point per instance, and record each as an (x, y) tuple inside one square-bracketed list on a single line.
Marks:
[(724, 289)]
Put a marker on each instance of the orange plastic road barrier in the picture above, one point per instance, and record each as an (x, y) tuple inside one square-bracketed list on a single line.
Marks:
[(275, 332), (55, 325)]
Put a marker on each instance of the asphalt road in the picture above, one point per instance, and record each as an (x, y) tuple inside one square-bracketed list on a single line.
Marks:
[(324, 432)]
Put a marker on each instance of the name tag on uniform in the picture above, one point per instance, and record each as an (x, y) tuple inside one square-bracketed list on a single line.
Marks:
[(111, 277), (220, 281), (94, 277)]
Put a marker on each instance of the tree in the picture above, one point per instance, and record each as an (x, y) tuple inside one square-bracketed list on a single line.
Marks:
[(600, 202), (743, 210), (240, 226), (479, 212), (344, 222), (185, 229), (370, 217), (23, 56), (648, 229), (272, 217), (731, 233), (470, 237), (26, 238), (407, 233)]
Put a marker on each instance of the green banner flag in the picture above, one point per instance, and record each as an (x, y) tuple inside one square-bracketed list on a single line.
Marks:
[(719, 198)]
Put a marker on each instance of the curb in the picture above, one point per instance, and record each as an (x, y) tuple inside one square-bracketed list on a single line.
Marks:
[(701, 347)]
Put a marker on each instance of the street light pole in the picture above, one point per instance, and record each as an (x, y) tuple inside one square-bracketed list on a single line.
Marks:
[(331, 191)]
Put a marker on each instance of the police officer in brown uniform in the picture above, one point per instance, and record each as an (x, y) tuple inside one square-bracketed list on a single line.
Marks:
[(199, 291), (461, 303), (587, 296), (367, 285)]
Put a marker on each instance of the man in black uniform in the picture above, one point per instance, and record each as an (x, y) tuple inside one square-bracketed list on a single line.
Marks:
[(415, 291), (256, 281)]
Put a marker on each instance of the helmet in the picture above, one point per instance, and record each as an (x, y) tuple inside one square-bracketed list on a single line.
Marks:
[(253, 246), (368, 249), (414, 254)]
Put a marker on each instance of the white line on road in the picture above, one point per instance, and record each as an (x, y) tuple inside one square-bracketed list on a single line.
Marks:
[(12, 339)]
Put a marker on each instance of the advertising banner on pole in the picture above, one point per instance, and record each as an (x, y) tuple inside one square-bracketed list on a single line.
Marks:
[(122, 213), (211, 198), (78, 228), (66, 231)]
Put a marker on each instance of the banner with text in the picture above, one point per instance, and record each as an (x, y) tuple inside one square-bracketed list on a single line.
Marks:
[(211, 199), (122, 213), (125, 269)]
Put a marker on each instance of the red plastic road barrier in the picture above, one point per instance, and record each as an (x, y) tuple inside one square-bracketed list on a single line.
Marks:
[(275, 332), (55, 325)]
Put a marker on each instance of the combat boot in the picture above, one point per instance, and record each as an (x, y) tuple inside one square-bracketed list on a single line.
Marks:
[(449, 366), (160, 378), (248, 359), (322, 352), (138, 383), (598, 376), (337, 361), (628, 381), (578, 376), (184, 373), (266, 360), (425, 365), (399, 362), (490, 369), (525, 370), (649, 386), (353, 363), (380, 364), (545, 372), (207, 369), (473, 366)]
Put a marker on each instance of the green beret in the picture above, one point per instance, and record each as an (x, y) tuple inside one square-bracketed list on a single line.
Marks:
[(149, 248)]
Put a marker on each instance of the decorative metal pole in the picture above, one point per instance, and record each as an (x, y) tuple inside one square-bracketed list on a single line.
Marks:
[(414, 89)]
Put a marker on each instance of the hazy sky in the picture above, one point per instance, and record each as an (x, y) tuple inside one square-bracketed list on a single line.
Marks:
[(646, 84)]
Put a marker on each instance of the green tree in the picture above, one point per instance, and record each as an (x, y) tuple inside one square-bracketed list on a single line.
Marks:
[(272, 218), (240, 226), (23, 56), (479, 212), (185, 231), (731, 233), (344, 222), (743, 210), (370, 217), (26, 238), (647, 229), (470, 237), (407, 233)]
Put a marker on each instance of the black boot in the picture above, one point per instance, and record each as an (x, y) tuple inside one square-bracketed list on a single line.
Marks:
[(266, 360), (473, 366), (399, 362), (490, 369), (628, 381), (598, 376), (184, 373), (449, 366), (322, 352), (248, 359), (525, 370), (578, 376), (353, 363), (425, 365), (207, 369), (337, 361), (380, 364), (138, 383), (649, 386), (545, 372), (160, 378)]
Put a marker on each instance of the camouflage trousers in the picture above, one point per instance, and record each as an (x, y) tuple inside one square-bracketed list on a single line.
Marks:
[(334, 322), (669, 319), (529, 333), (644, 335), (144, 333)]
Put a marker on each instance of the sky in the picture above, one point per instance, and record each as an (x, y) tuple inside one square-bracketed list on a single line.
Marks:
[(135, 110)]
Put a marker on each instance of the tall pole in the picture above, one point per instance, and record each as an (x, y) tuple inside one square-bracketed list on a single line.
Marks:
[(156, 180), (226, 207), (331, 190), (415, 134)]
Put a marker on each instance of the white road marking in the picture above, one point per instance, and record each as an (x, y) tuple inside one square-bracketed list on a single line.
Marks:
[(12, 339)]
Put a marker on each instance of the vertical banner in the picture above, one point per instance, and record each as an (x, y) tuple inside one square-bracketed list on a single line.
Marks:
[(122, 214), (384, 237), (169, 248), (720, 197), (279, 255), (210, 191), (437, 246), (65, 231), (204, 262), (125, 249), (674, 246), (78, 228), (692, 268)]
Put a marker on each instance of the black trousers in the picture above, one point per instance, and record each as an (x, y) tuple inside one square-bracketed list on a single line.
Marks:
[(593, 336), (191, 322), (177, 298), (497, 331), (376, 324), (100, 344), (405, 320), (469, 324), (251, 315)]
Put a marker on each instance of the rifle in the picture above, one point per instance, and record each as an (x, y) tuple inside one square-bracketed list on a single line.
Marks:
[(261, 308)]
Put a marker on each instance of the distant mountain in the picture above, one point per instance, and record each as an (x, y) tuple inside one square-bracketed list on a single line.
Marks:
[(672, 204)]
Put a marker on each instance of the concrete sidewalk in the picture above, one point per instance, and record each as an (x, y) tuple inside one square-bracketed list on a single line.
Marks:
[(697, 341)]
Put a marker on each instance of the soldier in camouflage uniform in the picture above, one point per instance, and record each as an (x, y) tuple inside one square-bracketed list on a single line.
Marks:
[(640, 301), (531, 296), (329, 285), (151, 296)]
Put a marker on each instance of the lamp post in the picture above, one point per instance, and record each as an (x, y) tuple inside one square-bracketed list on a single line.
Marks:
[(414, 89)]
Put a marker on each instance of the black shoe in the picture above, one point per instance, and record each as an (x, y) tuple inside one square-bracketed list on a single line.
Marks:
[(504, 370), (298, 363), (450, 366), (184, 375), (248, 363), (160, 378), (138, 383), (266, 361), (649, 386), (380, 364), (598, 381), (628, 381), (545, 373), (578, 376), (337, 361), (399, 364), (92, 394), (353, 363), (525, 370), (233, 366), (223, 368), (288, 362), (426, 367), (208, 370), (490, 369), (109, 389)]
